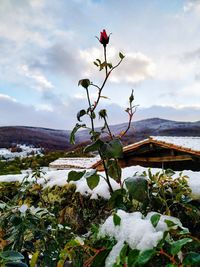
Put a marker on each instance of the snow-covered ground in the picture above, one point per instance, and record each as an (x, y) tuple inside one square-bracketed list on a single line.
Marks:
[(25, 152), (59, 177)]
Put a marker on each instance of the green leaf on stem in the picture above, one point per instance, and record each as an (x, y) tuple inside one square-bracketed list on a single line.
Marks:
[(16, 264), (75, 176), (94, 146), (98, 60), (131, 98), (114, 170), (96, 64), (109, 65), (105, 97), (84, 83), (177, 245), (92, 179), (112, 149), (11, 255), (155, 219), (76, 128), (132, 257), (137, 188), (145, 256), (121, 55), (81, 113), (102, 65), (99, 260), (192, 258), (116, 219)]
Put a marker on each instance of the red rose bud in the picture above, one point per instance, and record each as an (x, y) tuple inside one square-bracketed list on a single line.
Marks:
[(104, 38)]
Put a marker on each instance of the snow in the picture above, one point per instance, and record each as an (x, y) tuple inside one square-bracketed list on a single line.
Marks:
[(59, 177), (67, 163), (192, 143), (26, 151), (134, 229)]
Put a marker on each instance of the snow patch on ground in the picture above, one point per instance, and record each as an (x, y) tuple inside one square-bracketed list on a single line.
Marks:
[(59, 177)]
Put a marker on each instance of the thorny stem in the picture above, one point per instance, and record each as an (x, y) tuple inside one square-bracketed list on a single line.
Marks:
[(162, 252), (90, 107), (92, 124), (103, 84), (106, 67), (131, 113), (106, 172), (89, 261), (108, 128)]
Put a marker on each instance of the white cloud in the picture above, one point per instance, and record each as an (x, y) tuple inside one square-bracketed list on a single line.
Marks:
[(135, 68), (7, 97), (192, 90), (41, 82), (56, 116), (192, 5)]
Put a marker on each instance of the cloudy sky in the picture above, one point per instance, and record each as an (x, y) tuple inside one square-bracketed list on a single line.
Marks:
[(46, 46)]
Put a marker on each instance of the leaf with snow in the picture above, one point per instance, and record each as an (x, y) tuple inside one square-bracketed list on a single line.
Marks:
[(75, 176)]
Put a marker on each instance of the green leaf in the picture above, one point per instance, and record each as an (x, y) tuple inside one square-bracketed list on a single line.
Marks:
[(145, 256), (92, 179), (84, 83), (16, 264), (131, 98), (96, 64), (116, 219), (177, 245), (170, 265), (112, 149), (116, 200), (34, 259), (99, 260), (105, 97), (155, 219), (94, 146), (137, 188), (109, 65), (98, 60), (76, 128), (11, 255), (81, 113), (123, 253), (102, 65), (132, 257), (121, 55), (191, 258), (114, 170), (176, 222), (75, 176)]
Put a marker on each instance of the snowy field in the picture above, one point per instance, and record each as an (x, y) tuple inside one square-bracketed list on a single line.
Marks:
[(59, 177)]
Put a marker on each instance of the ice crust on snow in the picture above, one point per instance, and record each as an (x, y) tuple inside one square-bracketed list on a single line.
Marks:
[(59, 177), (134, 229)]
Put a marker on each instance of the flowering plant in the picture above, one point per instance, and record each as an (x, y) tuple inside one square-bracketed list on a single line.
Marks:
[(110, 150)]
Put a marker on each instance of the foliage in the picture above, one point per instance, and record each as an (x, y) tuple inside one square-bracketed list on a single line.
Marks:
[(43, 226), (16, 165)]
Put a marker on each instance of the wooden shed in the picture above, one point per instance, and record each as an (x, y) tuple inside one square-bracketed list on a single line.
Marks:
[(176, 153)]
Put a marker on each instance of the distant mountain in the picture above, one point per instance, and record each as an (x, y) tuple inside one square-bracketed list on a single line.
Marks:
[(59, 139)]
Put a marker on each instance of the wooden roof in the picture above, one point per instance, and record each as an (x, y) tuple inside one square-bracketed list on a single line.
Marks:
[(189, 145), (184, 144)]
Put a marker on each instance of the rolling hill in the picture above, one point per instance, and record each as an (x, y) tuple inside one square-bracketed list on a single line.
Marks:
[(52, 139)]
